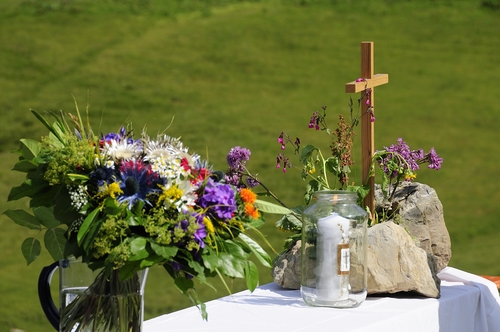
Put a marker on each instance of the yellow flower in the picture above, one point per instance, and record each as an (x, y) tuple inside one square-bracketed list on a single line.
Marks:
[(208, 225), (170, 195), (111, 190), (410, 177)]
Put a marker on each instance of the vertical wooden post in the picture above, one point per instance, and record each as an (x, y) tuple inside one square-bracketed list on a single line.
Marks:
[(367, 126), (366, 85)]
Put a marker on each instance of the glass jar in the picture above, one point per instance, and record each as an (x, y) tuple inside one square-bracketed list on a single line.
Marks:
[(334, 245)]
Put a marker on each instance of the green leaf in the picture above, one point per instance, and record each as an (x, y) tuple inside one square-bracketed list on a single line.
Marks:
[(25, 166), (332, 165), (27, 189), (24, 219), (257, 250), (138, 249), (77, 177), (269, 207), (46, 216), (307, 152), (290, 222), (166, 252), (84, 228), (183, 284), (29, 148), (55, 242), (210, 259), (232, 260), (198, 268), (31, 249), (311, 188), (127, 270), (151, 260), (52, 128), (111, 206), (251, 276)]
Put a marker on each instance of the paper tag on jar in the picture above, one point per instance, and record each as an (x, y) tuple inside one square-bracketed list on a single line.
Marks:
[(343, 259)]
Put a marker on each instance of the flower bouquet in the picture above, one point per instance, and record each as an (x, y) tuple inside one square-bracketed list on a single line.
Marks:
[(124, 204)]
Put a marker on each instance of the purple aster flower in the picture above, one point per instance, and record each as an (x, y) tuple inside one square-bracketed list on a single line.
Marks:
[(137, 180), (219, 200), (237, 158)]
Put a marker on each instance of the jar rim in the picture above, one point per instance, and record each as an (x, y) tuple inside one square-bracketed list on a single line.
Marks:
[(334, 192)]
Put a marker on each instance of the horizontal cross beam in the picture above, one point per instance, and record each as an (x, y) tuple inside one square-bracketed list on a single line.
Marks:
[(358, 86)]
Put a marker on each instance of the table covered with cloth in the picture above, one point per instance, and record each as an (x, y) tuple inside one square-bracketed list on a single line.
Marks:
[(468, 303)]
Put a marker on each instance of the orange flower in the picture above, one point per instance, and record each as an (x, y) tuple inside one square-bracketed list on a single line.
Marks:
[(251, 210), (247, 195)]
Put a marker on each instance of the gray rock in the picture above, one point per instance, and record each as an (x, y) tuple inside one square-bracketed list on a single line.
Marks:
[(396, 264), (286, 269), (419, 210)]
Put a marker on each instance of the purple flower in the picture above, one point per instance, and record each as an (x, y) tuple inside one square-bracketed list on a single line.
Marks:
[(252, 182), (237, 158), (314, 121), (232, 178), (201, 232), (118, 137), (219, 200), (434, 160), (411, 158)]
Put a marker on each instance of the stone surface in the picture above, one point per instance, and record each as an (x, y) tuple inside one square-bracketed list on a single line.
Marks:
[(396, 264), (421, 214), (286, 269)]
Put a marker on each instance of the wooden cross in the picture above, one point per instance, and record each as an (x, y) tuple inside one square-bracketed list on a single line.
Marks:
[(367, 81)]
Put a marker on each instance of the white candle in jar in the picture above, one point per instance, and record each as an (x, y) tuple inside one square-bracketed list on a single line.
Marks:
[(332, 258)]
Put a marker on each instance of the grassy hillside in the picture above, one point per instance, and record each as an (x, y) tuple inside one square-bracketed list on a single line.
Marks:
[(238, 73)]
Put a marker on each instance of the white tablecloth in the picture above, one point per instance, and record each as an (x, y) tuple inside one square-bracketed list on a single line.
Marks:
[(467, 303)]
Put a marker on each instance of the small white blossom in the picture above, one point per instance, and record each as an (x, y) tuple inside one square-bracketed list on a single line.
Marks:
[(78, 196)]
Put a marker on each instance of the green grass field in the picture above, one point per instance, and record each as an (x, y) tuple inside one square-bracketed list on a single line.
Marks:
[(238, 73)]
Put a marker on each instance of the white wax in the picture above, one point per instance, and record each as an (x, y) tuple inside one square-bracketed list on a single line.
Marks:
[(332, 231)]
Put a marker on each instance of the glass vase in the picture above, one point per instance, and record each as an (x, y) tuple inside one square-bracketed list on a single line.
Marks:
[(93, 301), (334, 249)]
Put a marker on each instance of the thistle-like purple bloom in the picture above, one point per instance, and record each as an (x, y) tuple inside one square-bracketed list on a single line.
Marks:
[(219, 200), (137, 180)]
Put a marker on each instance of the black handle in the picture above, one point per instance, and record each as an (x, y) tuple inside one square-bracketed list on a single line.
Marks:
[(45, 295)]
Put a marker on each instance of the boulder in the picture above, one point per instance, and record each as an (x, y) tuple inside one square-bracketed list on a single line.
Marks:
[(286, 269), (397, 264), (394, 264), (417, 208)]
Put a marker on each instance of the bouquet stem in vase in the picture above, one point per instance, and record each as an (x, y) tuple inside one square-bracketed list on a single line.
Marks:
[(108, 304)]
